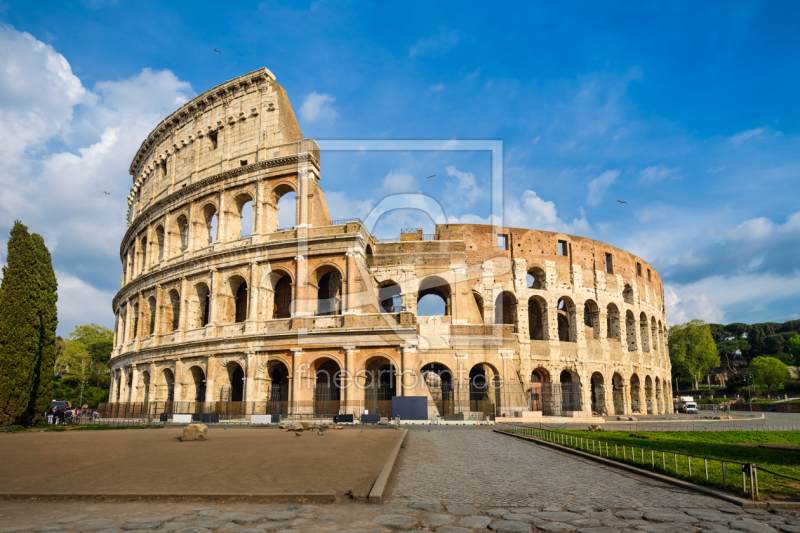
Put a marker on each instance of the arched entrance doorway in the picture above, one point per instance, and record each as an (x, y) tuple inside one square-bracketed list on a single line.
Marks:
[(380, 385), (618, 393), (636, 394), (598, 394), (539, 377), (439, 381), (570, 391), (276, 388), (328, 387), (484, 390), (196, 385)]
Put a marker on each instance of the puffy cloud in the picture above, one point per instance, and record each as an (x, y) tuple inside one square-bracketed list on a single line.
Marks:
[(318, 106), (660, 172), (81, 303), (463, 190), (599, 185), (534, 212), (399, 181)]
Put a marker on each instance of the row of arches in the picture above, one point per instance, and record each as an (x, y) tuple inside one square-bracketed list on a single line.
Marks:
[(203, 229)]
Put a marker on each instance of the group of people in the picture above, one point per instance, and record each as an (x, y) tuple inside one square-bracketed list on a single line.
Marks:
[(65, 415)]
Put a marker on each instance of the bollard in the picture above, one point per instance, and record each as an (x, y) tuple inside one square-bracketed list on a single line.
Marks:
[(724, 481), (705, 463)]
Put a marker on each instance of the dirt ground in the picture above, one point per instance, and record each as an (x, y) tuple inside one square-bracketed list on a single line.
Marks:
[(155, 461)]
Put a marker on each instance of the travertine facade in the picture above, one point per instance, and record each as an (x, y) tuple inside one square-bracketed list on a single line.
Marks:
[(323, 318)]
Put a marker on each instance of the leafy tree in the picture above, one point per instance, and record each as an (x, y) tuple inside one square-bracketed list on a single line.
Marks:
[(84, 359), (768, 371), (41, 392), (794, 350), (692, 349), (19, 326)]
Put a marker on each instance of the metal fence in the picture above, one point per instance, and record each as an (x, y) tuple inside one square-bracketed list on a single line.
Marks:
[(696, 469), (672, 426)]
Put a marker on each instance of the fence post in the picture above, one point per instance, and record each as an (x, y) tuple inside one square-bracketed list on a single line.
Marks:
[(652, 458), (755, 472), (705, 463), (676, 463), (724, 481), (689, 459), (616, 451)]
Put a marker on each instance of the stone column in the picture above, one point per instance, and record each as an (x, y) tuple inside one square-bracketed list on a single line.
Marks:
[(177, 385), (249, 372), (302, 179), (251, 323), (301, 303), (184, 310), (258, 213), (407, 372), (139, 322), (133, 393), (351, 298), (211, 365), (151, 393), (157, 323), (213, 300), (296, 379), (348, 379)]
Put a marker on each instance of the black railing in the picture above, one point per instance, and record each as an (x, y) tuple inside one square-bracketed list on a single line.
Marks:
[(345, 221)]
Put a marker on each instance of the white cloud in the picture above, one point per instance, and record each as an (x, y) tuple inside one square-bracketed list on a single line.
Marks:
[(464, 191), (533, 212), (599, 185), (81, 303), (318, 106), (434, 45), (399, 181), (660, 172), (747, 134)]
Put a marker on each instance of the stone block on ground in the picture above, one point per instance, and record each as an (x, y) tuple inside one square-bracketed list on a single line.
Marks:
[(510, 526), (195, 432)]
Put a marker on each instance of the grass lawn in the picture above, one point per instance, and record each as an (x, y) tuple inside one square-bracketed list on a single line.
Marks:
[(719, 445)]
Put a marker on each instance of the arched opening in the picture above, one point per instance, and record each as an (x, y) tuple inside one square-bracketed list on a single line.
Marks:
[(117, 387), (612, 322), (380, 386), (665, 395), (636, 394), (165, 391), (173, 311), (591, 320), (535, 278), (389, 296), (434, 297), (565, 311), (570, 391), (598, 394), (183, 233), (479, 303), (660, 335), (233, 390), (210, 221), (124, 318), (484, 389), (160, 242), (643, 333), (144, 387), (537, 311), (618, 394), (648, 394), (283, 298), (196, 385), (276, 387), (327, 392), (286, 211), (505, 308), (538, 378), (244, 207), (654, 334), (659, 398), (135, 332), (151, 318), (236, 301), (439, 380), (627, 294), (143, 248), (202, 306), (329, 291), (630, 331)]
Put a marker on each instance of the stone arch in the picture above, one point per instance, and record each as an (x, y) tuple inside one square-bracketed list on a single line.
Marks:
[(627, 294), (485, 388), (182, 230), (283, 297), (201, 305), (643, 332), (437, 287), (143, 394), (273, 205), (636, 394), (379, 378), (537, 318), (661, 335), (630, 331), (233, 306), (613, 329), (327, 279), (648, 395), (143, 255), (150, 318), (135, 311), (536, 278), (160, 242), (598, 394), (479, 302), (505, 308), (565, 311), (659, 397), (654, 334), (244, 219), (591, 319), (538, 376), (275, 386), (327, 386), (207, 225), (438, 379), (195, 380), (390, 297), (618, 393), (570, 385), (165, 389), (665, 395), (231, 386), (172, 311)]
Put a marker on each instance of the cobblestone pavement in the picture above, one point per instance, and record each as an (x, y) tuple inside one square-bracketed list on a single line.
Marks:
[(477, 466)]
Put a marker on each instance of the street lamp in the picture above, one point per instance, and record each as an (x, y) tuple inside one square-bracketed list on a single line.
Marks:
[(749, 377)]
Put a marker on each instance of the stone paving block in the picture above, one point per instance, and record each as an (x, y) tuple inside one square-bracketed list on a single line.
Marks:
[(556, 526), (475, 521), (272, 526), (452, 529), (279, 516), (498, 513), (241, 518), (709, 515), (172, 526), (580, 509), (208, 512), (667, 515), (15, 529), (586, 522), (462, 509), (437, 519), (668, 527), (71, 519), (395, 520), (629, 514), (598, 529), (524, 518), (141, 527), (613, 522), (376, 508), (50, 528), (510, 526), (433, 507), (325, 517), (788, 529), (559, 516), (751, 526), (194, 529)]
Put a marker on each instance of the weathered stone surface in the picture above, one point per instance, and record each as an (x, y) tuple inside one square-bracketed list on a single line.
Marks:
[(172, 526), (510, 526), (581, 509), (195, 432), (326, 517), (98, 527), (461, 509), (788, 529), (598, 529), (452, 529), (241, 518), (668, 527), (280, 515), (475, 521), (208, 512), (668, 515), (141, 527), (434, 519), (50, 528), (556, 526), (272, 526), (395, 520), (16, 529), (586, 522), (709, 515), (629, 514), (433, 507), (524, 518), (559, 516), (751, 526), (368, 507), (194, 530), (71, 519), (497, 513)]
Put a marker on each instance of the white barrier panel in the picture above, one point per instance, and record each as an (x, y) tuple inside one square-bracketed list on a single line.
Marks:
[(181, 419), (261, 419)]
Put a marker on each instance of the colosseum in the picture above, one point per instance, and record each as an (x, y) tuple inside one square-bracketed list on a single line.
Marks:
[(222, 311)]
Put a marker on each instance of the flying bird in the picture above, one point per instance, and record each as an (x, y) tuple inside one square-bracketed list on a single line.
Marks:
[(217, 51), (108, 193), (620, 201), (431, 176)]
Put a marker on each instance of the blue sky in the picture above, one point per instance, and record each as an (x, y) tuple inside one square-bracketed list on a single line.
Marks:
[(685, 110)]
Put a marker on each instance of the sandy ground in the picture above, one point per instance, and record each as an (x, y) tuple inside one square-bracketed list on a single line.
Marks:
[(234, 461)]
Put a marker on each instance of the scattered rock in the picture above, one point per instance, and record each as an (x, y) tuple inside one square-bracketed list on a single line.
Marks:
[(195, 432), (510, 526), (595, 427), (462, 509), (395, 520), (475, 521)]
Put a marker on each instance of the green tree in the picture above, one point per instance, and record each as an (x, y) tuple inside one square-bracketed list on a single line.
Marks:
[(19, 326), (42, 390), (768, 371), (692, 349), (794, 349), (84, 359)]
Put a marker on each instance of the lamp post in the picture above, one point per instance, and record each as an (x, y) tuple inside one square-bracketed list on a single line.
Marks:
[(749, 378)]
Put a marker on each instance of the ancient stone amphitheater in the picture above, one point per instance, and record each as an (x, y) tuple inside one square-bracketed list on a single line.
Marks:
[(222, 311)]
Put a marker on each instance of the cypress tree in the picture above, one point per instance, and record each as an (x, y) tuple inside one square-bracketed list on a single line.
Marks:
[(19, 326), (42, 390)]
